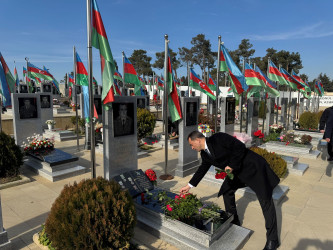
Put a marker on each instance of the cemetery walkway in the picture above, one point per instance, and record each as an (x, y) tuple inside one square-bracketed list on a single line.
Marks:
[(305, 214)]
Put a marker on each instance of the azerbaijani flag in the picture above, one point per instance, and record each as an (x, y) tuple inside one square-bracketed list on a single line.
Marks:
[(17, 80), (197, 83), (270, 87), (54, 81), (173, 99), (100, 41), (7, 101), (116, 87), (296, 77), (71, 80), (160, 83), (118, 76), (130, 75), (223, 63), (317, 88), (321, 87), (34, 71), (82, 79), (94, 81), (275, 75), (142, 82), (9, 77), (25, 75), (292, 82), (235, 75), (255, 84)]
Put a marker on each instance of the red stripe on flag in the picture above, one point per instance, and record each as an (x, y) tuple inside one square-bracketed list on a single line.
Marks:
[(4, 65), (39, 71), (250, 73), (236, 82), (98, 23), (175, 99), (129, 69), (80, 69), (274, 71), (109, 97), (222, 59)]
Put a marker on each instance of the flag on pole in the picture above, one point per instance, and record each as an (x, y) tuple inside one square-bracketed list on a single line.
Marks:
[(223, 63), (25, 75), (117, 90), (293, 83), (9, 77), (296, 77), (130, 75), (94, 81), (71, 79), (118, 76), (270, 86), (197, 83), (255, 84), (82, 80), (17, 80), (173, 99), (7, 101), (317, 89), (100, 41), (212, 85), (275, 75), (320, 85), (235, 75), (160, 83), (54, 81), (34, 71)]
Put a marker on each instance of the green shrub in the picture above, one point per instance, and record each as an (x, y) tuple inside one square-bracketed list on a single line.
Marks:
[(11, 156), (277, 164), (272, 137), (145, 123), (94, 214), (308, 120), (44, 239), (81, 121)]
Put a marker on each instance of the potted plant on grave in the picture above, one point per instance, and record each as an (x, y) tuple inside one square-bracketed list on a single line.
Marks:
[(50, 124), (73, 106), (99, 131)]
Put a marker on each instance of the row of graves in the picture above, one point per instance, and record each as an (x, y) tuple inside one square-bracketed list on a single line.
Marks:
[(120, 162)]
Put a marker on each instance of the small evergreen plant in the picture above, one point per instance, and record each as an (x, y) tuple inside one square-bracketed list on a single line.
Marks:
[(94, 214), (11, 156), (308, 120), (145, 123)]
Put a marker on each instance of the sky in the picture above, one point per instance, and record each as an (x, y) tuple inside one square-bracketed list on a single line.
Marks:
[(45, 31)]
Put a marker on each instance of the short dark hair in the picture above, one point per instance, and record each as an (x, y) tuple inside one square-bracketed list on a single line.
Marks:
[(195, 135)]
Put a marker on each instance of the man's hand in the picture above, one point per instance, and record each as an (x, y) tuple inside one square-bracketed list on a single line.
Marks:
[(228, 169), (185, 189), (322, 131), (328, 139)]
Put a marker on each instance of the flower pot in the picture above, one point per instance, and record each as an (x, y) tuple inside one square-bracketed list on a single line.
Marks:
[(50, 126), (74, 108)]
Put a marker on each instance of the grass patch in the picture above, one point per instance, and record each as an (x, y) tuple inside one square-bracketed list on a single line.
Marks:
[(9, 179)]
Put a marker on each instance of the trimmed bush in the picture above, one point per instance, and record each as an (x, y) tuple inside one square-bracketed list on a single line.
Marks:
[(11, 157), (145, 123), (278, 165), (94, 214), (262, 109), (308, 120)]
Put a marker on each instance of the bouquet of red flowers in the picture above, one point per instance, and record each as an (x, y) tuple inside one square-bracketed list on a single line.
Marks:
[(151, 176), (221, 174), (259, 134)]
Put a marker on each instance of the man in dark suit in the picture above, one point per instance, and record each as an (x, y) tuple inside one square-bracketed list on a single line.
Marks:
[(226, 152), (28, 110), (123, 124), (322, 124)]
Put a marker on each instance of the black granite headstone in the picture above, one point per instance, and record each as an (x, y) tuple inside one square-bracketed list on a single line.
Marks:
[(135, 181), (54, 157)]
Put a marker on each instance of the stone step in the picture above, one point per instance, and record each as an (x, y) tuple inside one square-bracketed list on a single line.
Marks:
[(298, 169), (291, 161)]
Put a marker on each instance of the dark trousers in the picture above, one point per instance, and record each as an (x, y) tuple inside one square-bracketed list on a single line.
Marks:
[(268, 210), (329, 149)]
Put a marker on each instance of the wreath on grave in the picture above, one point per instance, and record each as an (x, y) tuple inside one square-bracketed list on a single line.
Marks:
[(38, 145)]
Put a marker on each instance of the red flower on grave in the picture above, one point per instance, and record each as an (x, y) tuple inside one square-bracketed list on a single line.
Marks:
[(151, 175), (169, 207), (145, 143), (287, 143), (142, 197)]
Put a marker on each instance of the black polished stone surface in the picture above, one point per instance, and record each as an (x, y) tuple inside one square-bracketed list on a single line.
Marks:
[(54, 157)]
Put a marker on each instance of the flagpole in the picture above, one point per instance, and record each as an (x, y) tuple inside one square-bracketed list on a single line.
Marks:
[(289, 105), (298, 100), (0, 113), (124, 88), (26, 81), (165, 110), (91, 93), (243, 101), (208, 98), (217, 81), (75, 98)]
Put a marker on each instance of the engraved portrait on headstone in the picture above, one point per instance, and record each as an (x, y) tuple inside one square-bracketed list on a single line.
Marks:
[(98, 105), (123, 119), (255, 108), (230, 110), (23, 89), (45, 101), (191, 113), (27, 107), (46, 88), (141, 103)]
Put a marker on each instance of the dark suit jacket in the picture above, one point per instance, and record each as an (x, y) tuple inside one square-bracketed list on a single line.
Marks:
[(248, 167), (324, 118), (329, 124)]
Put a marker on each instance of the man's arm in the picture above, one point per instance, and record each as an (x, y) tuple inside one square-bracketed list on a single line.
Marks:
[(323, 120)]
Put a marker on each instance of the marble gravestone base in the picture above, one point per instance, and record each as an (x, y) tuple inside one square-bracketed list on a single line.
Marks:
[(188, 161), (284, 113)]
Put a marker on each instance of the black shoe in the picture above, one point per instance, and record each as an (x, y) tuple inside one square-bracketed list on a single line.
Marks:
[(330, 158), (272, 245), (236, 221)]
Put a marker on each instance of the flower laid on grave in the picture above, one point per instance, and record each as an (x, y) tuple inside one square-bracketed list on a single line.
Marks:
[(259, 134), (98, 127), (243, 137), (291, 138), (275, 128), (222, 174), (72, 105), (151, 176), (50, 122), (204, 128), (37, 144), (188, 208)]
